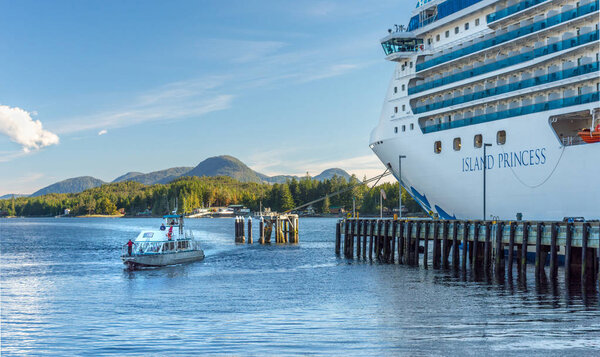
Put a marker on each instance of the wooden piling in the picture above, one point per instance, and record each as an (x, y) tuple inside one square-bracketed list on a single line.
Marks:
[(445, 246), (554, 250), (417, 244), (350, 250), (371, 237), (261, 235), (584, 245), (465, 250), (474, 259), (401, 259), (408, 243), (358, 231), (365, 232), (511, 247), (436, 244), (538, 249), (568, 251), (337, 236), (393, 248), (499, 248), (426, 245), (524, 248), (487, 250), (386, 241), (455, 248), (250, 231)]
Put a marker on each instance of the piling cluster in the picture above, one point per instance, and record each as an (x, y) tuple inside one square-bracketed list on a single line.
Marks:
[(285, 227), (479, 245)]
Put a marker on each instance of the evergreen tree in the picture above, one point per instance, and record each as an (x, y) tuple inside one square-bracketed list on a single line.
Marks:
[(325, 205)]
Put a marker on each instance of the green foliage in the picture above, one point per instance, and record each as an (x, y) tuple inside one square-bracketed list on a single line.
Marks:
[(188, 193)]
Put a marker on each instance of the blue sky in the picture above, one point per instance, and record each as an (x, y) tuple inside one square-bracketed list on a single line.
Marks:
[(117, 86)]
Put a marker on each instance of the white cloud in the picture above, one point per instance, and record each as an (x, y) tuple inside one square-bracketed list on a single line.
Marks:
[(102, 132), (18, 125)]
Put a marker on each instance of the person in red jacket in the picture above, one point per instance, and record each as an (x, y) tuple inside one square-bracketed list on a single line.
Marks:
[(130, 247)]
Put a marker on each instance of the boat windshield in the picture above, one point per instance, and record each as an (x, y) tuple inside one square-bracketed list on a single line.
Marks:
[(162, 247)]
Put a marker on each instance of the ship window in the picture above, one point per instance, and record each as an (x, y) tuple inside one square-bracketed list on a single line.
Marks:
[(478, 140), (476, 22), (456, 29), (403, 87), (437, 37), (437, 147), (466, 26), (447, 34), (396, 129), (457, 144), (395, 109), (429, 41), (403, 127), (148, 234), (395, 89), (403, 107), (412, 126), (410, 64), (501, 137)]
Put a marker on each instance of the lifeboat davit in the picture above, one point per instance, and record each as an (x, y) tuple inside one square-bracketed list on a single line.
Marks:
[(589, 136)]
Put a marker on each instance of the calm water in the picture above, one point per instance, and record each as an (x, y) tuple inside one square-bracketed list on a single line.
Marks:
[(65, 292)]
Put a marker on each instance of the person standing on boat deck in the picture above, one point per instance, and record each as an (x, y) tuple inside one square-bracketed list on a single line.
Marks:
[(130, 247), (162, 227)]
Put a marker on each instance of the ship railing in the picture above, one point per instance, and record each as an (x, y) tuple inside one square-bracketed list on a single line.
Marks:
[(511, 35), (536, 53), (527, 83), (500, 14), (518, 111)]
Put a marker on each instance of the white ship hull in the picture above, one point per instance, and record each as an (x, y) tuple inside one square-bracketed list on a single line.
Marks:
[(552, 182), (459, 67)]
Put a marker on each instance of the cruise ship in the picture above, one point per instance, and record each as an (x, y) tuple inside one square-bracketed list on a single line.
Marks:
[(493, 109)]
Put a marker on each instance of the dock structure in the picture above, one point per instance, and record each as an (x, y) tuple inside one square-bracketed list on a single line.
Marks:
[(479, 245), (285, 227)]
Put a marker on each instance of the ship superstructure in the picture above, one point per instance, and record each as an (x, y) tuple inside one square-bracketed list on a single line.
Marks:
[(516, 79)]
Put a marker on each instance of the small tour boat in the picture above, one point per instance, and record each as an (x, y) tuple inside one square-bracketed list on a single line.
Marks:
[(166, 245)]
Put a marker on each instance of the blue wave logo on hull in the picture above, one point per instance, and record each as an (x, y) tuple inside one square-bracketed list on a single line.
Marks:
[(422, 198), (443, 214)]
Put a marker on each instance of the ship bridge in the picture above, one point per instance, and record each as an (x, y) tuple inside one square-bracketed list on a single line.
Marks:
[(401, 45)]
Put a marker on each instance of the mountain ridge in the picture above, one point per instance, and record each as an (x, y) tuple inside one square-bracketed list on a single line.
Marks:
[(223, 165)]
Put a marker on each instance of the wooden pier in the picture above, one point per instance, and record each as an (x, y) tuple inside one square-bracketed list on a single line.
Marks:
[(284, 225), (478, 245)]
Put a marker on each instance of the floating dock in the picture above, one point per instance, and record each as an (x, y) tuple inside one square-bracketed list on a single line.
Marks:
[(284, 225), (479, 245)]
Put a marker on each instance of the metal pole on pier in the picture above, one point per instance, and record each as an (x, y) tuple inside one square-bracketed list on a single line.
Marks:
[(484, 172), (400, 157)]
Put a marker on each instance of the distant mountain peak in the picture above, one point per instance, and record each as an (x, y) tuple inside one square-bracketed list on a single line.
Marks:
[(330, 173), (72, 185), (225, 165)]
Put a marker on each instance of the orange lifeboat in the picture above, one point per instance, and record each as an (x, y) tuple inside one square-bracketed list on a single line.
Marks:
[(590, 137)]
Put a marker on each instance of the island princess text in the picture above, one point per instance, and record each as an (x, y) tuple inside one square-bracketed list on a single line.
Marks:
[(531, 157)]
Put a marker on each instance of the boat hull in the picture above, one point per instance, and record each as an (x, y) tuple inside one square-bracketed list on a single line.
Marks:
[(158, 260)]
